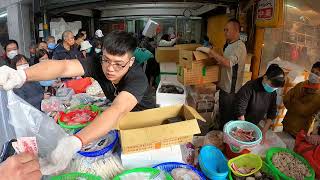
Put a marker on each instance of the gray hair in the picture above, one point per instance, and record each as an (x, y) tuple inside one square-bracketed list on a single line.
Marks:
[(66, 34)]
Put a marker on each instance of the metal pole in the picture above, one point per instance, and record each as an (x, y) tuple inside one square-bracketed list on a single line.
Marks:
[(46, 32)]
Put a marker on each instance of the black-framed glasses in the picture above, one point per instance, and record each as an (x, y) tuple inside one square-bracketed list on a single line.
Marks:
[(115, 66)]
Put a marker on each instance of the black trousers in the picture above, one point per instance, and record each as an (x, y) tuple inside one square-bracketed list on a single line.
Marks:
[(226, 107)]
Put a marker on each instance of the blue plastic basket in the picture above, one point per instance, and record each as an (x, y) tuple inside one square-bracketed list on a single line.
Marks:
[(213, 163), (105, 149), (169, 166)]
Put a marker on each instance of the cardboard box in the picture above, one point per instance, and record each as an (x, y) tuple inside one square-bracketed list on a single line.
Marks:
[(167, 54), (190, 47), (246, 77), (143, 131), (189, 59), (169, 99), (201, 97), (152, 157), (198, 74)]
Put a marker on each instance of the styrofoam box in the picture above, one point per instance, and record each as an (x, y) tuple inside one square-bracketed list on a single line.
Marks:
[(168, 99), (169, 67), (152, 157), (150, 29)]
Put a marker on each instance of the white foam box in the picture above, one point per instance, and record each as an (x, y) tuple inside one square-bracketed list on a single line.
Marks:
[(168, 72), (169, 99), (150, 29), (152, 157)]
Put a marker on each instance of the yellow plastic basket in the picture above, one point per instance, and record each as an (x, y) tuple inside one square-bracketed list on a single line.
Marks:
[(246, 160)]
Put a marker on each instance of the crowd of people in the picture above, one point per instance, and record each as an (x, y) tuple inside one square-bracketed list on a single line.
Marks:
[(116, 62)]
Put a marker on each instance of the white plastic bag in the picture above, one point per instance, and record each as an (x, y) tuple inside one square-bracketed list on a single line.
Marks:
[(6, 130), (29, 121)]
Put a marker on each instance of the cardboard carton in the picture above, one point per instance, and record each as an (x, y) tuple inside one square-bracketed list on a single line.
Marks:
[(189, 59), (167, 54), (201, 97), (142, 131), (246, 77), (190, 47), (199, 74)]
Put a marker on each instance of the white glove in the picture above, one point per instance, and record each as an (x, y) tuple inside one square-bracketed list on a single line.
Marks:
[(11, 78), (204, 49), (59, 159)]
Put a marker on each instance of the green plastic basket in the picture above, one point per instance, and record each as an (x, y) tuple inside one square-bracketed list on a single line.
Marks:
[(152, 171), (94, 108), (75, 176), (273, 151), (266, 169), (250, 160)]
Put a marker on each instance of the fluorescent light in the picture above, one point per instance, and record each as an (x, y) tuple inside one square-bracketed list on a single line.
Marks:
[(3, 15), (290, 6)]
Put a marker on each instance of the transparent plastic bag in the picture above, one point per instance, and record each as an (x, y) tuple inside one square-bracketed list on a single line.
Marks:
[(81, 98), (28, 121), (6, 130), (64, 94), (52, 104)]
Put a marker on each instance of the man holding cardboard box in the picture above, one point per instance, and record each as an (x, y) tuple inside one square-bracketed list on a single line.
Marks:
[(120, 77), (231, 68)]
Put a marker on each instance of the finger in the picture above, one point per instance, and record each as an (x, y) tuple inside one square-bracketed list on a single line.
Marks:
[(49, 169), (35, 175), (31, 166), (25, 157)]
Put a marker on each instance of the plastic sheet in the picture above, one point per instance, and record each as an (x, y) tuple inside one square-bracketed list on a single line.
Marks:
[(6, 130), (30, 122)]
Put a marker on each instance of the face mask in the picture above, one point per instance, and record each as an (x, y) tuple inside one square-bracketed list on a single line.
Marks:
[(97, 50), (88, 50), (32, 55), (268, 88), (46, 83), (314, 79), (23, 67), (12, 54), (51, 46)]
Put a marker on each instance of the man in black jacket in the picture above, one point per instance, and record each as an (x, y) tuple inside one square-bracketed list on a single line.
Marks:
[(66, 50)]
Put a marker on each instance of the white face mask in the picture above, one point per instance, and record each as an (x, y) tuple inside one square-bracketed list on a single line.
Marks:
[(97, 50), (12, 54), (314, 79), (23, 67)]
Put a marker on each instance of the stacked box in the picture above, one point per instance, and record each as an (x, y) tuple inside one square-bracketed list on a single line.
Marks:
[(168, 71), (201, 97), (169, 99)]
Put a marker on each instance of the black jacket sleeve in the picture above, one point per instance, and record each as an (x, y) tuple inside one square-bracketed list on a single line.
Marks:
[(272, 111), (242, 99)]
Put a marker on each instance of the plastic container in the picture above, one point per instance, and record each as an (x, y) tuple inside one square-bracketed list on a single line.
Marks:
[(266, 169), (169, 166), (272, 151), (236, 145), (76, 176), (79, 126), (213, 163), (114, 135), (247, 160), (153, 172)]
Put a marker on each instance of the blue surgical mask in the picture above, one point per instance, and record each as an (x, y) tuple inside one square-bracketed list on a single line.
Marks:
[(51, 46), (268, 88), (46, 83)]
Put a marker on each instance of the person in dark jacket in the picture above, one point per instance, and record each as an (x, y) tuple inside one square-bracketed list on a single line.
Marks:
[(257, 99), (66, 50), (31, 92)]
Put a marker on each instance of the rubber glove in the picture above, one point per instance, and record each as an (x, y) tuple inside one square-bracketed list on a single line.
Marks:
[(313, 139), (11, 78), (203, 49), (60, 157)]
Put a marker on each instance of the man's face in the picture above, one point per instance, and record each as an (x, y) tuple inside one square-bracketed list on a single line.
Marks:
[(230, 31), (115, 67), (32, 50), (51, 40), (70, 39), (85, 34), (43, 45), (11, 47)]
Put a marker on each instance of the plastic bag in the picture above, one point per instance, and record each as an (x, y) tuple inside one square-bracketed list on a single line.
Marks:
[(64, 94), (79, 85), (29, 121), (52, 104), (81, 98), (6, 130), (94, 89)]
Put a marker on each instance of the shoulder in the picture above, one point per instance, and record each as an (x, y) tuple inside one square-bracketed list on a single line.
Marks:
[(136, 73)]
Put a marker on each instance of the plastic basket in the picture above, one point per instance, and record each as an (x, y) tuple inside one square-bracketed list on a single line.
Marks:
[(79, 126), (169, 166), (152, 172), (213, 163), (273, 151), (248, 160), (106, 149), (266, 169), (236, 145), (75, 176)]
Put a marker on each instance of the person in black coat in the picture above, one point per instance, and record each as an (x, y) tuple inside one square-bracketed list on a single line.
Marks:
[(66, 49)]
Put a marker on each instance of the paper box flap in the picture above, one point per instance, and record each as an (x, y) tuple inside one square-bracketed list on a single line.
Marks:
[(190, 47), (200, 55)]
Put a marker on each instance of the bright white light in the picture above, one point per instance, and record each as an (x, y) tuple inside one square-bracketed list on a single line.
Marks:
[(290, 6), (3, 15)]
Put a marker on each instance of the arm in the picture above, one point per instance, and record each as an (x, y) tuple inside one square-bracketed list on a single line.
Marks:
[(165, 43), (123, 104), (49, 70), (242, 100), (220, 59)]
